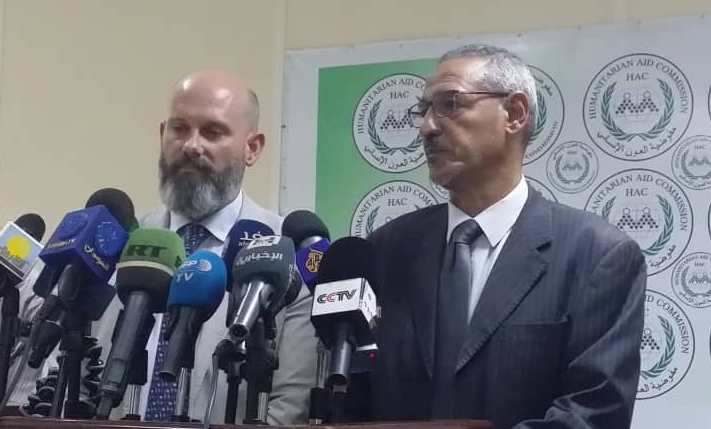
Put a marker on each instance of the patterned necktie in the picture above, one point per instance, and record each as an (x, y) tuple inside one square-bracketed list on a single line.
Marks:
[(161, 396), (451, 318)]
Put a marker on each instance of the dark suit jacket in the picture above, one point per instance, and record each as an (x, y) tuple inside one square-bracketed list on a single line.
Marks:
[(554, 340)]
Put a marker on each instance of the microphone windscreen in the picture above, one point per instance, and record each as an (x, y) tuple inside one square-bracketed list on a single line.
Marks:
[(92, 237), (241, 234), (199, 283), (346, 258), (18, 252), (33, 224), (117, 203), (267, 258), (302, 224), (148, 262)]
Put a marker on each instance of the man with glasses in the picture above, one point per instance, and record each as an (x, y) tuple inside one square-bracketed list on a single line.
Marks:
[(501, 305)]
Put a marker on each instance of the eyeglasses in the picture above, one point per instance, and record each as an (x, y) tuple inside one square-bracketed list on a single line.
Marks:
[(444, 104)]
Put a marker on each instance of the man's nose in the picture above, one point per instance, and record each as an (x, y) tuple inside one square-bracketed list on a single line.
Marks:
[(429, 126), (193, 147)]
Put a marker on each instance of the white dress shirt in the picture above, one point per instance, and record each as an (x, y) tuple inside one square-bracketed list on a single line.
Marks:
[(496, 223), (219, 225)]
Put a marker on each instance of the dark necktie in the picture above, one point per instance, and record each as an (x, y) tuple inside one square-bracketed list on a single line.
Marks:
[(161, 396), (452, 308)]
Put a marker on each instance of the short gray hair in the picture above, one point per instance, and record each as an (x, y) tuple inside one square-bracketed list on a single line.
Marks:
[(504, 71)]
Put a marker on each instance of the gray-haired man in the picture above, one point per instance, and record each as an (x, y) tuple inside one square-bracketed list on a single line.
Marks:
[(501, 305)]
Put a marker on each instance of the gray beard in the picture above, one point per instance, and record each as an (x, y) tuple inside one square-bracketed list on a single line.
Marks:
[(197, 195)]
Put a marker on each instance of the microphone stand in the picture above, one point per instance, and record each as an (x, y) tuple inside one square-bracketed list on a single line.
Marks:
[(320, 400), (230, 358), (233, 370), (182, 399), (138, 371), (341, 354), (75, 323), (8, 332), (261, 363), (69, 377)]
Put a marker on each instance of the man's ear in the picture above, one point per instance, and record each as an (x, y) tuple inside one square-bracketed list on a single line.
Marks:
[(253, 148), (517, 113), (162, 129)]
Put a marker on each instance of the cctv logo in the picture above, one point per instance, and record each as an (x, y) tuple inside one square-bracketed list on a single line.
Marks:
[(336, 296)]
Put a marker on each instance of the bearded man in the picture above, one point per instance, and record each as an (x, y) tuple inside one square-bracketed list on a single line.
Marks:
[(210, 137)]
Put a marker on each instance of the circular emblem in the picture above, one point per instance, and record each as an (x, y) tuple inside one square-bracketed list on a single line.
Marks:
[(667, 346), (540, 187), (440, 192), (383, 130), (691, 162), (691, 279), (572, 167), (109, 239), (385, 203), (649, 207), (550, 115), (637, 107)]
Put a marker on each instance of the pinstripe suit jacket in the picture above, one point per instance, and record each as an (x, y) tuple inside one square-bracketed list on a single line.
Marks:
[(553, 341)]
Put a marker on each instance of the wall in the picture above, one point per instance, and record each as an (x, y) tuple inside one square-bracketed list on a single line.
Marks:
[(84, 83), (320, 23)]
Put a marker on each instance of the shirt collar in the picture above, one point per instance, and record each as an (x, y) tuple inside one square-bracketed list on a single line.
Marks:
[(218, 223), (497, 219)]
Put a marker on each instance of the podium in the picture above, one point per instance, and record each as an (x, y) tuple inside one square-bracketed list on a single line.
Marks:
[(44, 423)]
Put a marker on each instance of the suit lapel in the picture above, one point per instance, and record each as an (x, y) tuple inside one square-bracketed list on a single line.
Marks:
[(426, 261), (517, 269)]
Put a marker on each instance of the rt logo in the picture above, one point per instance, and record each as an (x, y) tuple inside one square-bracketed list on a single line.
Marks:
[(144, 250)]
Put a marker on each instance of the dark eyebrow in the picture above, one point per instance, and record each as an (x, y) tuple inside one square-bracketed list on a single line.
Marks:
[(218, 125)]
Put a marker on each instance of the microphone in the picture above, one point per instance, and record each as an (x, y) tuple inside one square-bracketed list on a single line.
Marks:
[(195, 293), (91, 237), (242, 233), (311, 238), (344, 306), (228, 354), (143, 278), (66, 246), (19, 248), (87, 244), (83, 250), (264, 267)]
